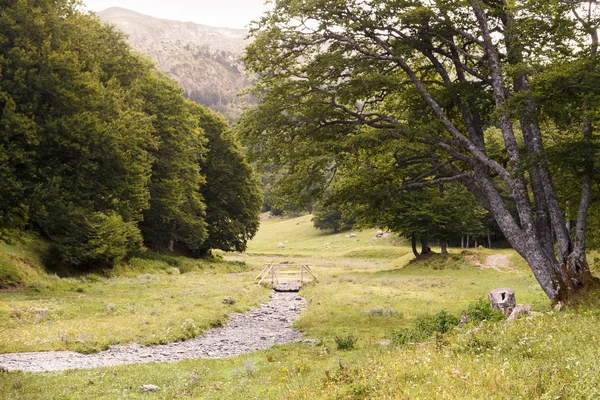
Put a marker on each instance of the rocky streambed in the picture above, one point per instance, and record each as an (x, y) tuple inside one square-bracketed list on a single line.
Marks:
[(259, 328)]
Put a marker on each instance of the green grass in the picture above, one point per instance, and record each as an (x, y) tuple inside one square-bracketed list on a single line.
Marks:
[(147, 301), (367, 290), (20, 264), (548, 357)]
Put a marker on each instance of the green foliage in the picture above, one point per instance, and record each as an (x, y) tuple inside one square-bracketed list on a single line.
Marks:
[(231, 192), (73, 139), (481, 310), (176, 213), (96, 143), (385, 97), (425, 327), (345, 342), (95, 240), (330, 218)]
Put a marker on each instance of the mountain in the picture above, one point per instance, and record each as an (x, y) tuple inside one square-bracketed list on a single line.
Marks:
[(203, 59)]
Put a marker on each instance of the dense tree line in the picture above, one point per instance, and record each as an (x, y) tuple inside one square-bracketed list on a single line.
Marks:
[(500, 97), (101, 153)]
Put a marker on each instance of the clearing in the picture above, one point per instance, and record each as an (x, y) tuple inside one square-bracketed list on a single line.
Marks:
[(367, 298)]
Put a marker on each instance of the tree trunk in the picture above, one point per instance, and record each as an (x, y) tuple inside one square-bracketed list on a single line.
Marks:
[(425, 247), (444, 246), (413, 243), (489, 240), (475, 245), (462, 241), (171, 245), (467, 246)]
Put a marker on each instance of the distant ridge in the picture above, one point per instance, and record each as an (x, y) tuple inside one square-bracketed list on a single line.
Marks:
[(203, 59)]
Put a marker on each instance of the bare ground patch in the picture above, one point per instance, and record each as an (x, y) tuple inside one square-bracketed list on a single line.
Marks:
[(497, 262)]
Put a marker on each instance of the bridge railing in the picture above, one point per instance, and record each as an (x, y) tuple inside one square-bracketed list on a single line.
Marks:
[(278, 274)]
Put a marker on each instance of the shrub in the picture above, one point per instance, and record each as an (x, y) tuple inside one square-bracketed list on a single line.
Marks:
[(424, 328), (347, 342), (95, 239), (481, 310), (381, 312)]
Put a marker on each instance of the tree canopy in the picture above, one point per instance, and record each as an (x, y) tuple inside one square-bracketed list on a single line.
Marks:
[(95, 143), (232, 191), (475, 92)]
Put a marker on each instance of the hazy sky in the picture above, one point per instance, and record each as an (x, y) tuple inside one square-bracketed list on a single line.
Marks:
[(221, 13)]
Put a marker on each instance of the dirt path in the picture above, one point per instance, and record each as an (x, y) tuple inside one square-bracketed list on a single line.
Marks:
[(498, 262), (250, 331)]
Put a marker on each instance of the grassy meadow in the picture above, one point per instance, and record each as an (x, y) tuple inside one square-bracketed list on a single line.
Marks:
[(367, 295), (151, 300)]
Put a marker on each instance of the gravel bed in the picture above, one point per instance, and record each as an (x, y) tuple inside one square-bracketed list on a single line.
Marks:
[(253, 330)]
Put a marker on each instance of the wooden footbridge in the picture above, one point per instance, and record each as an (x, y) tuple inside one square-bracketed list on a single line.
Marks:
[(286, 277)]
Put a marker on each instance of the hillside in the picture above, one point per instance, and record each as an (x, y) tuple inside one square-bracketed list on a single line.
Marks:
[(203, 59)]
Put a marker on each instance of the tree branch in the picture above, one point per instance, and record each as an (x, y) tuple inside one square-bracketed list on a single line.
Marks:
[(435, 182)]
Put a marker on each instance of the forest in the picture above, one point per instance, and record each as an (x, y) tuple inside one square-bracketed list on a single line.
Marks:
[(101, 154)]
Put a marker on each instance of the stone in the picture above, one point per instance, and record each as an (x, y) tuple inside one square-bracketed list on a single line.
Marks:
[(229, 300), (503, 299), (149, 388), (521, 309), (280, 245)]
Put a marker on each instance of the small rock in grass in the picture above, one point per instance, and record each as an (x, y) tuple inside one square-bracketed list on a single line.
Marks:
[(149, 388), (519, 310), (229, 300)]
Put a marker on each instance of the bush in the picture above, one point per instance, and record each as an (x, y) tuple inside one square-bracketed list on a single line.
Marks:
[(381, 312), (94, 240), (424, 328), (347, 342), (481, 310)]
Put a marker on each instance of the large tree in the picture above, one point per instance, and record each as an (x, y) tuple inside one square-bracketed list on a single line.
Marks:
[(231, 192), (435, 75), (177, 210)]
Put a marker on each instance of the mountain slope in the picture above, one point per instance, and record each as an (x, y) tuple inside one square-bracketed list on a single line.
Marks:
[(203, 59)]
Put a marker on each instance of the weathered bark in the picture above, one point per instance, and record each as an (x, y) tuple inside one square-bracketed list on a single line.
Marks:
[(577, 266), (556, 276), (530, 129), (574, 270)]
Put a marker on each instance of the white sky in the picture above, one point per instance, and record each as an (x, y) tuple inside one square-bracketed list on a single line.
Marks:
[(218, 13)]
